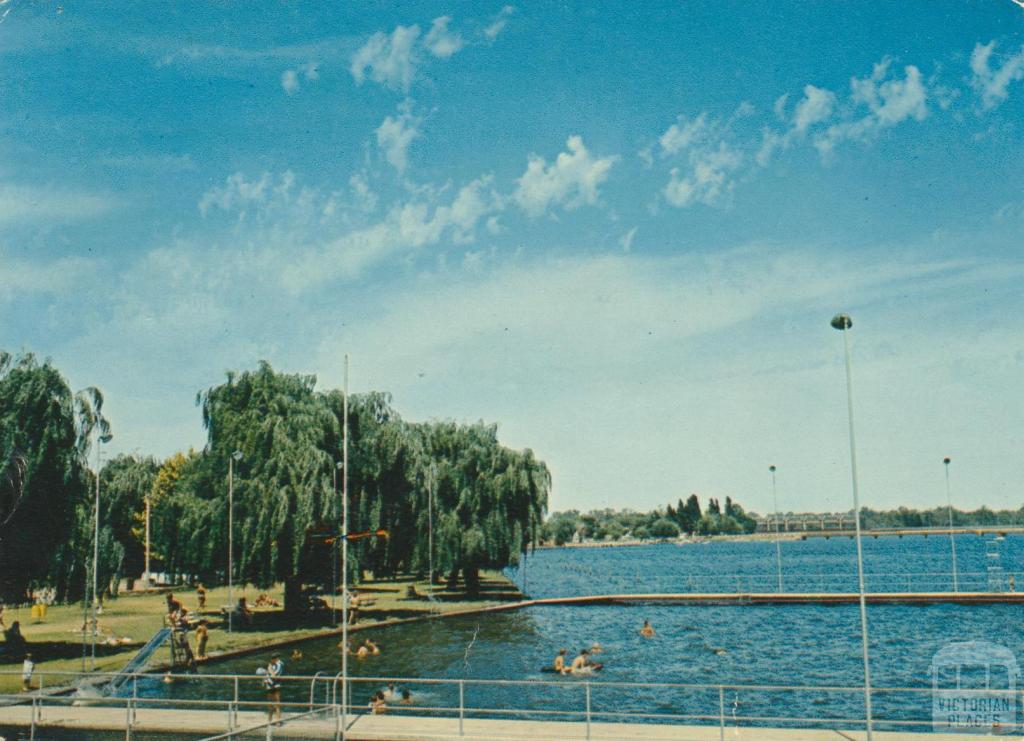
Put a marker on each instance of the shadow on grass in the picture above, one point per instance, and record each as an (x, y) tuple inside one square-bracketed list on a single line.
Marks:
[(51, 650)]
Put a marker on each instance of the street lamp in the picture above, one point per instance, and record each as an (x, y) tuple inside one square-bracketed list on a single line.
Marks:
[(952, 538), (778, 548), (842, 322), (236, 456)]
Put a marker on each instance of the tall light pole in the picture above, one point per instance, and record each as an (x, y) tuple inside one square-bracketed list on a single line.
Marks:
[(344, 556), (236, 456), (148, 579), (100, 439), (431, 485), (778, 547), (842, 322), (334, 547), (952, 538)]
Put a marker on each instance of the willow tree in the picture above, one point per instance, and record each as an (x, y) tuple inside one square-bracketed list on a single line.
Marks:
[(489, 500), (282, 484), (125, 483), (45, 437)]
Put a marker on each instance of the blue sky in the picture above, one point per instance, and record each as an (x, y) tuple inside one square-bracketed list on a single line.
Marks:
[(619, 230)]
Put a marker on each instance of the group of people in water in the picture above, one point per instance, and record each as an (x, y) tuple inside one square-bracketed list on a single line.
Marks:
[(584, 662), (366, 648), (379, 700)]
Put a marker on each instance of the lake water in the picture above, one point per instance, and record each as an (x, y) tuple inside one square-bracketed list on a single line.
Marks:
[(744, 645)]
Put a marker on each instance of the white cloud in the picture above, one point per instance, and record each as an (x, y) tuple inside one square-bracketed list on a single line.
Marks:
[(388, 60), (396, 133), (28, 203), (815, 107), (683, 134), (709, 179), (992, 83), (499, 23), (405, 228), (570, 181), (290, 81), (236, 193), (290, 77), (711, 159), (440, 41), (889, 101), (24, 277)]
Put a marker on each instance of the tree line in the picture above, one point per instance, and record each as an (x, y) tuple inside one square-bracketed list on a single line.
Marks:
[(668, 522), (487, 502)]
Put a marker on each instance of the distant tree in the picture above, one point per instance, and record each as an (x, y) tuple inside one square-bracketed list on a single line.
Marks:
[(689, 514), (664, 528), (713, 508)]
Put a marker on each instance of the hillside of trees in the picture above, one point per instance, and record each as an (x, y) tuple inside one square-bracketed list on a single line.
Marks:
[(489, 501)]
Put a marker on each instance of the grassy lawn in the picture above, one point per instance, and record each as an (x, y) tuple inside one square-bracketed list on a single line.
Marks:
[(56, 643)]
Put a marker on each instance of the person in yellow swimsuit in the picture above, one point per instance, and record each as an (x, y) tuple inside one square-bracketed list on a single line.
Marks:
[(559, 664)]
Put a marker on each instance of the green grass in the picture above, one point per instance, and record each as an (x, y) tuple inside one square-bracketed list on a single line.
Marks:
[(56, 643)]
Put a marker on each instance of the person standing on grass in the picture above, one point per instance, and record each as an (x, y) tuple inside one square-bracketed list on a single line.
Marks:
[(28, 667), (202, 636), (201, 594)]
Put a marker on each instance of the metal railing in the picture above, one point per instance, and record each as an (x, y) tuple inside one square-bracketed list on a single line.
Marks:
[(234, 704)]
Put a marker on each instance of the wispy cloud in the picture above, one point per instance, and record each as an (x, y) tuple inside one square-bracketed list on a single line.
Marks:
[(396, 133), (992, 82), (815, 107), (29, 203), (388, 59), (711, 155), (499, 23), (441, 42), (573, 179), (889, 100), (21, 277)]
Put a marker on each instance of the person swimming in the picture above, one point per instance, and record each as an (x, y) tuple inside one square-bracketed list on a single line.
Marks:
[(582, 663), (377, 704), (406, 697), (559, 664), (371, 646), (647, 631)]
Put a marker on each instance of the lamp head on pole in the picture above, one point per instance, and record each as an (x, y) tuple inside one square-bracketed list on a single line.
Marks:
[(339, 465), (841, 322), (946, 460), (771, 468), (237, 455)]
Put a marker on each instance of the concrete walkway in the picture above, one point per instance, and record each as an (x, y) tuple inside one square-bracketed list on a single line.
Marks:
[(202, 723)]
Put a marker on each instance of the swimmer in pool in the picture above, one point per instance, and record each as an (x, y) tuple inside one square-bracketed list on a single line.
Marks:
[(647, 631), (559, 664), (581, 664)]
